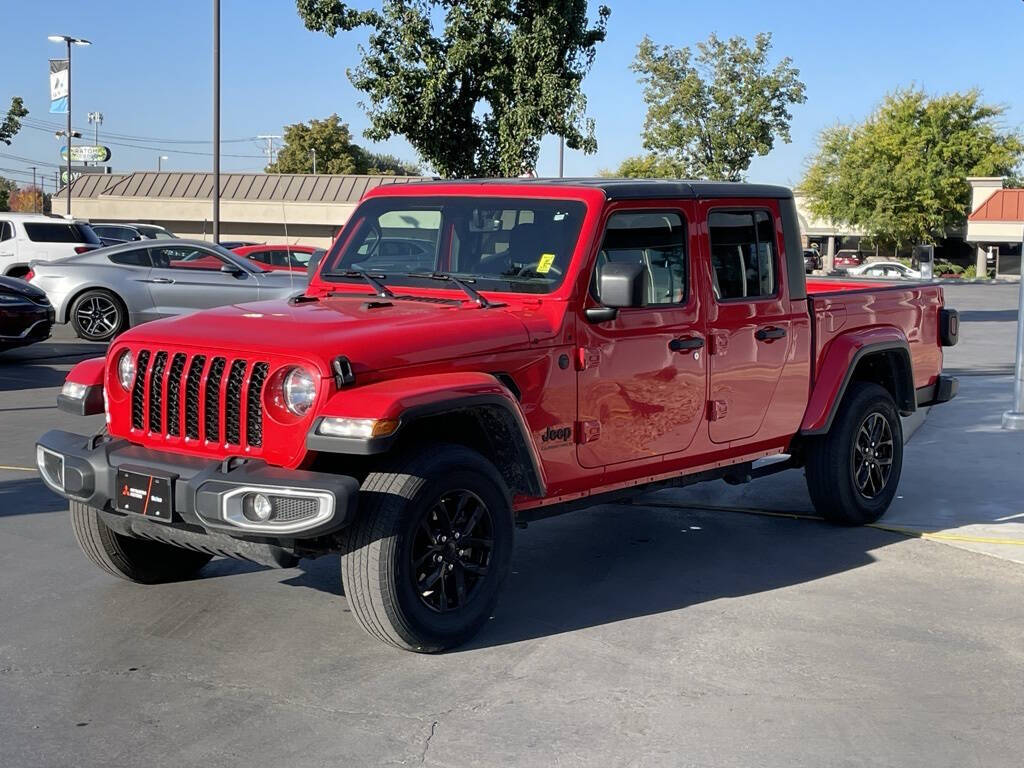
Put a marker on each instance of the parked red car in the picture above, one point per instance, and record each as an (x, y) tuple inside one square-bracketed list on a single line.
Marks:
[(284, 258), (570, 343), (844, 259)]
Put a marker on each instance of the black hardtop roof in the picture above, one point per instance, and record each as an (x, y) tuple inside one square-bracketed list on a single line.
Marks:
[(638, 189)]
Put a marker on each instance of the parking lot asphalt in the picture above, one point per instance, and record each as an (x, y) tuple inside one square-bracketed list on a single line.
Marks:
[(629, 634)]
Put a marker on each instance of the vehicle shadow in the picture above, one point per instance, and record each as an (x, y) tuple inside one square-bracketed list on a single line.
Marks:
[(619, 562), (23, 377), (28, 496)]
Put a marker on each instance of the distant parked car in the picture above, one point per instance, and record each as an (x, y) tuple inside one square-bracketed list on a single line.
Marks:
[(125, 233), (887, 269), (287, 258), (25, 314), (232, 244), (812, 260), (27, 237), (103, 293), (848, 258)]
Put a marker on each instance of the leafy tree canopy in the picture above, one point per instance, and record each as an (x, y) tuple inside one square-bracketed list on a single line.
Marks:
[(28, 199), (12, 122), (335, 152), (710, 113), (472, 85), (901, 175), (6, 188), (649, 166)]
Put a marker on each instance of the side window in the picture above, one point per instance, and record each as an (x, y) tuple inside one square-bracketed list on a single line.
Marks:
[(657, 240), (139, 257), (743, 254), (185, 258), (6, 231)]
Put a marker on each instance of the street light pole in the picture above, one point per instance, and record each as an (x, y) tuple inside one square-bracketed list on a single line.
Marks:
[(313, 152), (68, 40), (35, 189), (561, 157), (159, 159), (216, 121), (1014, 419)]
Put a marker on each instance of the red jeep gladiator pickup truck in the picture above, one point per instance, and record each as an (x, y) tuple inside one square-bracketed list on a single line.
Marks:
[(473, 354)]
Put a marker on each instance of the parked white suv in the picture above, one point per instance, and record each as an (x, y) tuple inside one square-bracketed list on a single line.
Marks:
[(26, 237)]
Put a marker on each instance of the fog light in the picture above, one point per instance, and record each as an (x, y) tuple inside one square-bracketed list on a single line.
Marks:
[(257, 508), (73, 390), (51, 467), (357, 428)]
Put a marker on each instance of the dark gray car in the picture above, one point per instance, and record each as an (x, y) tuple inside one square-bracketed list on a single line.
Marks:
[(103, 292)]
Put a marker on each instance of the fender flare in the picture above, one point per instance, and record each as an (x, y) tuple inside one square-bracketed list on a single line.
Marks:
[(412, 400), (89, 373), (842, 356)]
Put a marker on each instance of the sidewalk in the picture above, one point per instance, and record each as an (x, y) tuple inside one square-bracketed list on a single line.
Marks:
[(962, 483)]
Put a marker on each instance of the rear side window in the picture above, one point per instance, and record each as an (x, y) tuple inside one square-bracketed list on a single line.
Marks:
[(56, 232), (743, 258), (655, 240), (136, 258), (6, 231)]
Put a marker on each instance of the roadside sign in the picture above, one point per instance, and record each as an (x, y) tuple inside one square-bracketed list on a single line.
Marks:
[(78, 170), (86, 154)]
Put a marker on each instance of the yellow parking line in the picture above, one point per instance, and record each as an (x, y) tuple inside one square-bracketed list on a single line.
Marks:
[(18, 469)]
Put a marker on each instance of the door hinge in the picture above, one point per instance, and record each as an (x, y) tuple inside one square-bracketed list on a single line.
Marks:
[(717, 410), (588, 431), (587, 357)]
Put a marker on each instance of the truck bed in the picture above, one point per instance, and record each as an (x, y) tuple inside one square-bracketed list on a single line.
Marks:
[(845, 305)]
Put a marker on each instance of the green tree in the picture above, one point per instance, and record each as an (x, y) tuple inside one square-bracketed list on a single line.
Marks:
[(6, 188), (649, 166), (12, 122), (389, 165), (901, 175), (475, 96), (332, 140), (711, 113)]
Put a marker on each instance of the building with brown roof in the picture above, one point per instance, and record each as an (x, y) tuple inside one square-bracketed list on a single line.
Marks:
[(259, 207), (995, 226)]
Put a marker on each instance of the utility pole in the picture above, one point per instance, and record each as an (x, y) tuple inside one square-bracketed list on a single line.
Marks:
[(96, 118), (561, 157), (269, 151), (313, 152), (159, 160), (216, 121), (1014, 419), (35, 189)]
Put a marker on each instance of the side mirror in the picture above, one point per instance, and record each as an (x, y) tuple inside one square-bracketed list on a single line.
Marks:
[(619, 285), (231, 269)]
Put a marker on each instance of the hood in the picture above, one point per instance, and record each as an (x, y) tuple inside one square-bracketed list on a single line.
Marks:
[(372, 333), (21, 288)]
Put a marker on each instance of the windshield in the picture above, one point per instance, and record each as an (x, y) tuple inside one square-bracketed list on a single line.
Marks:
[(502, 244)]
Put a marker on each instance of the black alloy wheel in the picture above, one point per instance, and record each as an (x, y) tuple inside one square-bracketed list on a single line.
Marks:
[(451, 550), (872, 455)]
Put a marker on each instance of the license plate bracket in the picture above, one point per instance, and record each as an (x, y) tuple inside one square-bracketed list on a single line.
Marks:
[(142, 492)]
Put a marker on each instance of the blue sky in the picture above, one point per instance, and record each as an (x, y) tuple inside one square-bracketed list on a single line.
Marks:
[(148, 70)]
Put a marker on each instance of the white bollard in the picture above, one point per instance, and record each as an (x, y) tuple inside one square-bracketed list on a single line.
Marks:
[(1015, 419)]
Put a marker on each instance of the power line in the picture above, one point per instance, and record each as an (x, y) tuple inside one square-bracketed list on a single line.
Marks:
[(129, 137), (157, 148)]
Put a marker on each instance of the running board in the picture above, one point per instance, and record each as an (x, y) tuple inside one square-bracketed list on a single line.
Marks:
[(752, 470)]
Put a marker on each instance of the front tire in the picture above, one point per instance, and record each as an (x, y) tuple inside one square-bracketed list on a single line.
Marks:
[(98, 315), (853, 471), (424, 562), (138, 560)]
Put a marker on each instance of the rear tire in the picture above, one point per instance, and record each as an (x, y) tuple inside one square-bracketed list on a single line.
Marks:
[(407, 581), (98, 315), (853, 470), (138, 560)]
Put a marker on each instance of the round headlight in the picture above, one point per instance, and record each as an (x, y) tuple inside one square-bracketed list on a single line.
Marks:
[(126, 369), (299, 391)]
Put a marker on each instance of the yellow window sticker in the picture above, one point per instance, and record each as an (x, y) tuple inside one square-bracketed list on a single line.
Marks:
[(544, 265)]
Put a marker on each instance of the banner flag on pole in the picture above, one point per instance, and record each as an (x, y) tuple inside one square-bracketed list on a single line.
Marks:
[(59, 86)]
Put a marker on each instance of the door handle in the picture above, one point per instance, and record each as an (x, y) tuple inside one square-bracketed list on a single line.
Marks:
[(160, 280), (770, 333), (685, 345)]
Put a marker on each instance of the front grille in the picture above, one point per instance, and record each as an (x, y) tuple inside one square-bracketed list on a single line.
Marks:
[(210, 390), (290, 508)]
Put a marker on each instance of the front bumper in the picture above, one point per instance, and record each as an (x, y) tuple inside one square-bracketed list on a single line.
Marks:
[(206, 494)]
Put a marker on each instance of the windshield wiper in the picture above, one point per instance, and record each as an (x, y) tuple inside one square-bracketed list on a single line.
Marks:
[(466, 288), (379, 288)]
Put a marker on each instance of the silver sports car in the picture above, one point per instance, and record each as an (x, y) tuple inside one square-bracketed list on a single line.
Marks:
[(105, 291)]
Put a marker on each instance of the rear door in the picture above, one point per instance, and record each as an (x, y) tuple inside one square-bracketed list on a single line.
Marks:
[(642, 382), (749, 320), (8, 245), (186, 278)]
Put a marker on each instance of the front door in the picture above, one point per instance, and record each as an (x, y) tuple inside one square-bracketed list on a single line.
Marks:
[(186, 278), (749, 322), (642, 377)]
